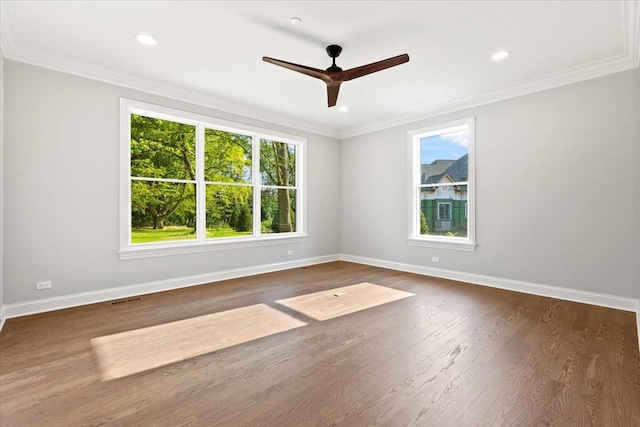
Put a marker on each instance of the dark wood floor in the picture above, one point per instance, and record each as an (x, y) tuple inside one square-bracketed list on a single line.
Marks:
[(453, 355)]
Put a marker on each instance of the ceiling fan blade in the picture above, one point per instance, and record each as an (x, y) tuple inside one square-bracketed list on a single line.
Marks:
[(313, 72), (332, 92), (354, 73)]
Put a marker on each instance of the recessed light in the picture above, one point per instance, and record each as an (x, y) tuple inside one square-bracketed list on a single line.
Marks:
[(146, 39), (296, 21), (343, 109), (499, 56)]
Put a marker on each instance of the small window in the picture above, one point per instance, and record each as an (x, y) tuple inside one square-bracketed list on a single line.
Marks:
[(192, 183), (441, 194), (444, 211)]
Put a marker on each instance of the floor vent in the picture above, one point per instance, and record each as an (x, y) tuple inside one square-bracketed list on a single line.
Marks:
[(124, 301)]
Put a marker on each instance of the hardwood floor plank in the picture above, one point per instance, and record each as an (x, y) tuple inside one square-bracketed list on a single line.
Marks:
[(452, 355)]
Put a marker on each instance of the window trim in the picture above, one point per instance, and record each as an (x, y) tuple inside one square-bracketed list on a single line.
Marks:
[(154, 249), (414, 174)]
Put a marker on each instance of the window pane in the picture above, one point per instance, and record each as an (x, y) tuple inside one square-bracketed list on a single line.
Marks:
[(229, 211), (162, 211), (162, 149), (443, 210), (445, 158), (227, 157), (278, 210), (277, 163)]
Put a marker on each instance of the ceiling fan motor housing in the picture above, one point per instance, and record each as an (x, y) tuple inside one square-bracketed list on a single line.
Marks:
[(334, 50)]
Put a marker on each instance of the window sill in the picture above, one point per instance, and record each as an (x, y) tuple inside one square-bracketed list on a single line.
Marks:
[(158, 250), (458, 244)]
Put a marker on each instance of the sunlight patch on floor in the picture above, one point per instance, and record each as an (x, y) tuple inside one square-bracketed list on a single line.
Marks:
[(337, 302), (139, 350)]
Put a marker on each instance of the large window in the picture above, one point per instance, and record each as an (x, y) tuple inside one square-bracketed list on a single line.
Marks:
[(192, 183), (441, 194)]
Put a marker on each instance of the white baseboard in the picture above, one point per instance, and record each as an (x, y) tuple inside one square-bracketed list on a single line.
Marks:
[(39, 306), (593, 298), (57, 303), (604, 300), (2, 317), (638, 325)]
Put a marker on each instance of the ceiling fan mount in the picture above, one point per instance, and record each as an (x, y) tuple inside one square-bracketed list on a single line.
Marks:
[(334, 76), (334, 51)]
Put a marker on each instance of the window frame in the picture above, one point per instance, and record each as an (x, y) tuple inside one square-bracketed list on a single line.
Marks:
[(414, 179), (201, 243)]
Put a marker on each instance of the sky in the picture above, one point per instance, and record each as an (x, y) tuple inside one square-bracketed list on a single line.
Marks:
[(450, 146)]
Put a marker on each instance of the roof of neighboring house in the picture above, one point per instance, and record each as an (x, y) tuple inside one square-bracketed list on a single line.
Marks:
[(457, 170), (437, 167)]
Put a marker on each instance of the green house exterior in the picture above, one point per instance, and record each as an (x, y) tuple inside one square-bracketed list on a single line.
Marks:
[(443, 196), (457, 222)]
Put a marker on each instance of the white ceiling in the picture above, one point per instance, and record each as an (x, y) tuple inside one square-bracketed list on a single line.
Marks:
[(210, 52)]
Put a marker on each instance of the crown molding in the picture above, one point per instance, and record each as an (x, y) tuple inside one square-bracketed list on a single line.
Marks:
[(601, 68), (628, 59), (65, 65), (631, 25), (13, 50), (6, 29)]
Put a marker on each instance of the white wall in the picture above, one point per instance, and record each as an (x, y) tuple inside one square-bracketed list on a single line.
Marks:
[(557, 190), (61, 198)]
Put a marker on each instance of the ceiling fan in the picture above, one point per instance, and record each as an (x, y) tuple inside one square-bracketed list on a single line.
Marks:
[(334, 75)]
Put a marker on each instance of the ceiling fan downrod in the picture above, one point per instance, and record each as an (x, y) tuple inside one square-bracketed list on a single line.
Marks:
[(334, 51)]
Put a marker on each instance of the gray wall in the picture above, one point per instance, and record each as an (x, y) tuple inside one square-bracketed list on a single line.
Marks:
[(557, 190), (1, 179), (61, 191)]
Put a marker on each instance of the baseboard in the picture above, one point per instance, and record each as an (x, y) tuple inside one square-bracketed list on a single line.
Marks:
[(39, 306), (57, 303), (2, 317), (638, 324), (604, 300)]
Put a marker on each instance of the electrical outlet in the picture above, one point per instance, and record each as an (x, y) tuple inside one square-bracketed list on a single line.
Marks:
[(435, 259), (43, 285), (289, 253)]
